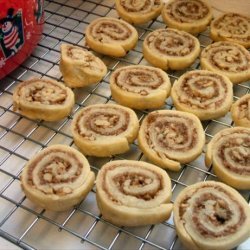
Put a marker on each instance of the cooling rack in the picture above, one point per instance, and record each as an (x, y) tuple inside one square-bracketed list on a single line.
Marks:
[(30, 227)]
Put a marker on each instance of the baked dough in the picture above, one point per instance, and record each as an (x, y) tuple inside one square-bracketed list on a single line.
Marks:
[(232, 27), (227, 58), (169, 137), (192, 16), (205, 94), (111, 36), (43, 99), (138, 11), (211, 215), (229, 152), (80, 67), (104, 129), (171, 48), (241, 111), (140, 87), (57, 178), (133, 193)]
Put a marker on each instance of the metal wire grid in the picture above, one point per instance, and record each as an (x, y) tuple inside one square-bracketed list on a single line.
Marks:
[(31, 227)]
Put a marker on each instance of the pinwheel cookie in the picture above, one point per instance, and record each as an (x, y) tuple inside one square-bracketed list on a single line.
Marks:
[(241, 111), (111, 36), (80, 67), (133, 193), (43, 99), (169, 137), (192, 16), (206, 94), (231, 27), (170, 48), (211, 215), (104, 129), (57, 178), (138, 11), (227, 58), (229, 152), (140, 87)]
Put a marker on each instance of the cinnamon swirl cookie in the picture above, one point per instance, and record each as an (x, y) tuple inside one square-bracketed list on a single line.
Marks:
[(229, 152), (169, 137), (57, 178), (80, 67), (206, 94), (111, 36), (227, 58), (138, 11), (170, 49), (192, 16), (104, 129), (43, 99), (140, 87), (133, 193), (231, 27), (241, 111), (211, 215)]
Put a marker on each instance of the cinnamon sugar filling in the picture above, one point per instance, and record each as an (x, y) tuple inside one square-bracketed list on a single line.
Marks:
[(138, 80), (187, 11), (220, 216), (48, 177), (115, 31)]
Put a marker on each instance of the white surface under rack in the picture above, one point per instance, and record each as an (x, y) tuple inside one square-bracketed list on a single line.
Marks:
[(30, 227)]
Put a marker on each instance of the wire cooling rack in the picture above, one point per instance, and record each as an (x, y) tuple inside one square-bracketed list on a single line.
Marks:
[(29, 226)]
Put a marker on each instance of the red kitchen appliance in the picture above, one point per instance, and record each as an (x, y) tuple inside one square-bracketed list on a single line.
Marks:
[(21, 25)]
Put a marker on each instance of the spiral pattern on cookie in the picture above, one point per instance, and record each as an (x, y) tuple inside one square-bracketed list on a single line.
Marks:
[(205, 94), (140, 6), (111, 36), (56, 172), (170, 48), (232, 27), (209, 215), (104, 121), (43, 99), (229, 152), (124, 186), (170, 42), (187, 11), (170, 137), (104, 129), (228, 58), (57, 178), (42, 91), (108, 30), (241, 111)]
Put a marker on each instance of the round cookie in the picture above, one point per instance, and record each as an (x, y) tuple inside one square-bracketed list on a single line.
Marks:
[(211, 215), (140, 87), (170, 49), (57, 178), (43, 99), (227, 58), (192, 16), (133, 193), (229, 152), (232, 27), (138, 11), (104, 129), (169, 138), (111, 36), (205, 94)]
